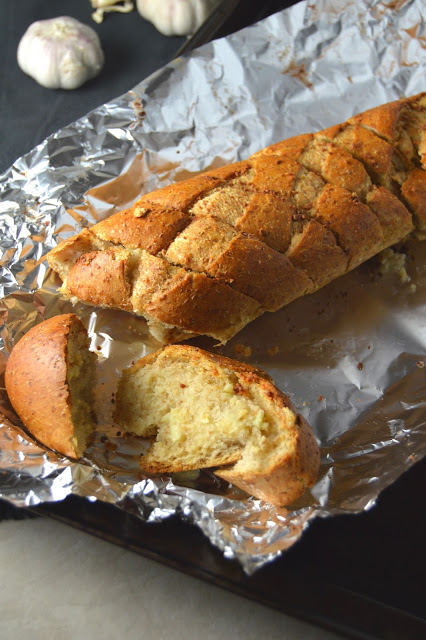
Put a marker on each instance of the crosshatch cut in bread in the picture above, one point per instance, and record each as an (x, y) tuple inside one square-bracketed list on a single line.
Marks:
[(50, 377), (210, 254), (197, 409)]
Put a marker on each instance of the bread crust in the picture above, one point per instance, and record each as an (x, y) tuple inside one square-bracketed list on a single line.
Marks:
[(356, 228), (414, 193), (194, 300), (314, 247), (240, 260), (181, 195), (37, 386), (258, 228), (101, 278), (152, 229), (288, 478)]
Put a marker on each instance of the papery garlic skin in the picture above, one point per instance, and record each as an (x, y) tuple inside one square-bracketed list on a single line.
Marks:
[(60, 53), (109, 6), (176, 17)]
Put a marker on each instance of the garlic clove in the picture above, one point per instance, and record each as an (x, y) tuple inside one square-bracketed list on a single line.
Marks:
[(60, 53)]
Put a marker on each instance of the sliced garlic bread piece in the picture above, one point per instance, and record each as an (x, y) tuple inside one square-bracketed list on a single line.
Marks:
[(50, 377), (207, 411)]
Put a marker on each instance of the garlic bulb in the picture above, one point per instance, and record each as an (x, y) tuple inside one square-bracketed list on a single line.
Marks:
[(176, 17), (61, 53)]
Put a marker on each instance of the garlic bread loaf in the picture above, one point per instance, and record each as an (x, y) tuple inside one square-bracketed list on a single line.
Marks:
[(207, 411), (212, 253), (50, 376)]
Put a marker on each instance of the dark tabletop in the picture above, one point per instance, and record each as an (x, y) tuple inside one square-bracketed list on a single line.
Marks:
[(133, 50), (28, 112), (378, 556)]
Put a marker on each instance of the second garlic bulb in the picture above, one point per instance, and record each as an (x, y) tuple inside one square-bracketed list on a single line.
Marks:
[(176, 17), (60, 53)]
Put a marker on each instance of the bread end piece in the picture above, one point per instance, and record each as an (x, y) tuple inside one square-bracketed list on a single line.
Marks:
[(207, 411), (49, 380), (287, 476)]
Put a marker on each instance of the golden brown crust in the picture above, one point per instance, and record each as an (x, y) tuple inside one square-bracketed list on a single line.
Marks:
[(291, 148), (401, 123), (354, 225), (193, 300), (395, 219), (360, 180), (182, 194), (315, 251), (288, 478), (99, 278), (36, 383), (373, 152), (248, 263), (151, 276), (385, 120), (63, 257), (341, 169), (242, 261), (268, 218), (179, 195), (414, 192), (275, 175), (334, 164), (150, 286), (415, 124), (152, 229)]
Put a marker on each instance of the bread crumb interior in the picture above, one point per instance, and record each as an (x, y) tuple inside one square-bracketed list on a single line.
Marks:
[(80, 378), (200, 416)]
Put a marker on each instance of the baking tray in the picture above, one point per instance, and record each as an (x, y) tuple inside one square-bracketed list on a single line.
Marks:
[(361, 576)]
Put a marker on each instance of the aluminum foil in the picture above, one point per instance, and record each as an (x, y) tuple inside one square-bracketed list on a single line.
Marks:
[(351, 356)]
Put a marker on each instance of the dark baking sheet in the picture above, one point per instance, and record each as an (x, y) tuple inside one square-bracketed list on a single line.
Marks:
[(363, 575), (359, 575)]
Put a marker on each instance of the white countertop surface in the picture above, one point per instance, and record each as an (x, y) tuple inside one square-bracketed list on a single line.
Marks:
[(58, 582)]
